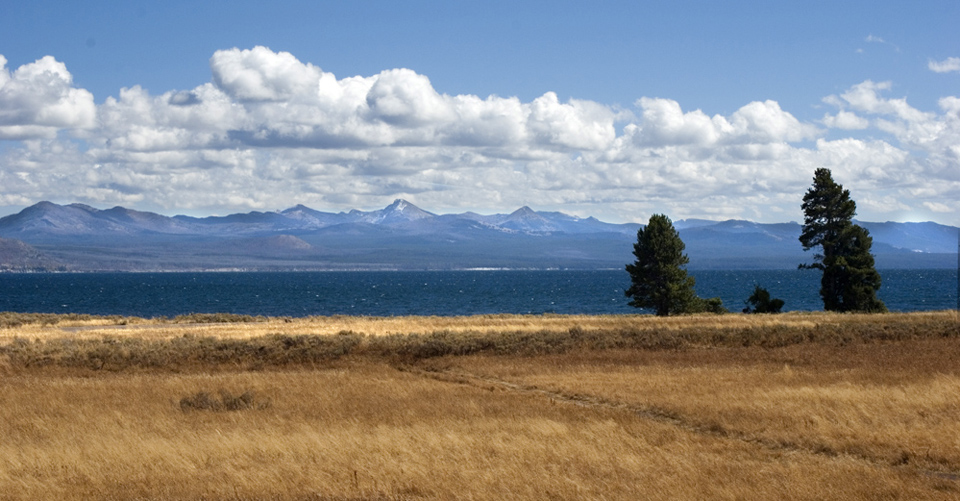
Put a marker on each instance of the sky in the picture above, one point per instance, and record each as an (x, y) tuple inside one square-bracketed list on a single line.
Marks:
[(617, 110)]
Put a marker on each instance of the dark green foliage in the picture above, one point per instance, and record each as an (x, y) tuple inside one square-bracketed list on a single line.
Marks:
[(761, 301), (828, 210), (658, 278), (850, 281), (707, 305), (851, 276)]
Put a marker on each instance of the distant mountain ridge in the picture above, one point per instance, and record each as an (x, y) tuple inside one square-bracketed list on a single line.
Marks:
[(18, 256), (403, 236), (46, 220)]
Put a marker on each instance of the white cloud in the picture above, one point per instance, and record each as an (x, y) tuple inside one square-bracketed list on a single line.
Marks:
[(664, 124), (576, 124), (866, 97), (938, 207), (766, 123), (260, 74), (950, 105), (38, 99), (264, 99), (936, 135), (491, 122), (875, 39), (845, 120), (405, 99), (870, 163), (269, 131), (946, 66), (137, 121)]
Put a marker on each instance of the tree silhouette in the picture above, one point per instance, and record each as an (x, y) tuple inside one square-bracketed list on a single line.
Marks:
[(849, 281), (658, 278), (762, 302)]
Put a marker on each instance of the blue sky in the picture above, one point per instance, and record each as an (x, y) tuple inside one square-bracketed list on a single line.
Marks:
[(618, 110)]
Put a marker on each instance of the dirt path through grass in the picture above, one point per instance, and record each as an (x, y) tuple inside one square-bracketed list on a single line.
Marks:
[(664, 416), (127, 327)]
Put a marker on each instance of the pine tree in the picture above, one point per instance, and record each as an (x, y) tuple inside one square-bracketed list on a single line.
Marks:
[(658, 279), (850, 281), (859, 279)]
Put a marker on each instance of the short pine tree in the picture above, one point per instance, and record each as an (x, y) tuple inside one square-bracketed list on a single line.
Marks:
[(762, 302), (658, 278)]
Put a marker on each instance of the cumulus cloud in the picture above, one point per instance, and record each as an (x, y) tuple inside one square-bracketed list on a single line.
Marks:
[(38, 99), (274, 100), (936, 135), (137, 121), (665, 124), (845, 120), (866, 97), (260, 74), (576, 124), (404, 98), (765, 123), (948, 65), (269, 131), (871, 163)]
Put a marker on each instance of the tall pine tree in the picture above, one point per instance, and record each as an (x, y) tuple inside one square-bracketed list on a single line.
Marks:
[(850, 281)]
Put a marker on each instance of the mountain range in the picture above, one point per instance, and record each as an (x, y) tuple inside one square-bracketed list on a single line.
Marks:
[(77, 237)]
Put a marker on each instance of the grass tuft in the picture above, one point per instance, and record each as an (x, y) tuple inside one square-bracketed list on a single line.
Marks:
[(204, 401)]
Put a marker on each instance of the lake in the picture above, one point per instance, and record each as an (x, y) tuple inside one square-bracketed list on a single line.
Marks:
[(445, 293)]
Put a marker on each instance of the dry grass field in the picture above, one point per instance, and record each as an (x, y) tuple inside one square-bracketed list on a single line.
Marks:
[(793, 406)]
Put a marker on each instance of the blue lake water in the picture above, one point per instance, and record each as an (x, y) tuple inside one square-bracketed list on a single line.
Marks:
[(424, 293)]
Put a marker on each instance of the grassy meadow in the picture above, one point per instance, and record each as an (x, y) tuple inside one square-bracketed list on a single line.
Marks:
[(791, 406)]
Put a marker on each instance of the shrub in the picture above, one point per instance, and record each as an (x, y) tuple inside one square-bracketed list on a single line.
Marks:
[(708, 305), (203, 401), (215, 318), (762, 302)]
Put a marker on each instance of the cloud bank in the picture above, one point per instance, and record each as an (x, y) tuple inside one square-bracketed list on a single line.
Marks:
[(269, 131)]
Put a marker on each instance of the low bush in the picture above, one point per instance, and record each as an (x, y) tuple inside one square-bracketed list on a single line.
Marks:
[(216, 318), (762, 302), (10, 319), (204, 401), (116, 353)]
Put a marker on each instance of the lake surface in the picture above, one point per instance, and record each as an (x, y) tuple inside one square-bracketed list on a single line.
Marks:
[(443, 293)]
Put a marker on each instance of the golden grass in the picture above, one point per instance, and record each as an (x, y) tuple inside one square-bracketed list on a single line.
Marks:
[(889, 403), (368, 431), (799, 406), (89, 327)]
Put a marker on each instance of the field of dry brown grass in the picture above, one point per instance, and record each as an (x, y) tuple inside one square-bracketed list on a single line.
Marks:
[(797, 406)]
